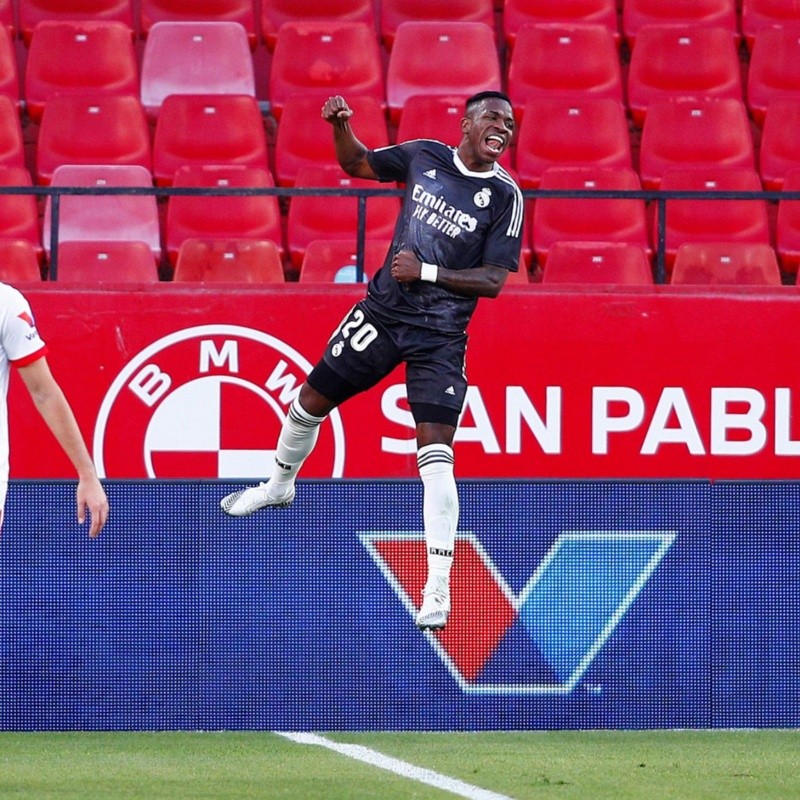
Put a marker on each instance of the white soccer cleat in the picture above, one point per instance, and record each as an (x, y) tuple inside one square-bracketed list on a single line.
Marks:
[(435, 605), (247, 501)]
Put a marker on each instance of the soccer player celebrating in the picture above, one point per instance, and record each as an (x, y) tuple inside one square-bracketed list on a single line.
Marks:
[(457, 238), (22, 347)]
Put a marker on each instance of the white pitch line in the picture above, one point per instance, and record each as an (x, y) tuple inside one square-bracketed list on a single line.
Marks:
[(376, 759)]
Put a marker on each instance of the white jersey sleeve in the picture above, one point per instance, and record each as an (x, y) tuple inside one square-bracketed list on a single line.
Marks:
[(19, 338)]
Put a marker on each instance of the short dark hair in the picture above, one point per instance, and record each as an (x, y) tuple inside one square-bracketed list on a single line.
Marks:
[(476, 98)]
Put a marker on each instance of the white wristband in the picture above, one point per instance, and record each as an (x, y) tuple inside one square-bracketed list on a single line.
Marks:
[(428, 272)]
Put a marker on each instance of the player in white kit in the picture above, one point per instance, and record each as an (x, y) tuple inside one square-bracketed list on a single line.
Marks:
[(22, 347)]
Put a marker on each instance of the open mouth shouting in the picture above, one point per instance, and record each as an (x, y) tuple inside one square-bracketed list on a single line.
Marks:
[(495, 144)]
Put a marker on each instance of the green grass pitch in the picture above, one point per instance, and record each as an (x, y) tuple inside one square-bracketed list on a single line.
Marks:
[(578, 765)]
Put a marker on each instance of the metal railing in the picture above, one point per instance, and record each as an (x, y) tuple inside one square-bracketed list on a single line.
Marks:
[(659, 198)]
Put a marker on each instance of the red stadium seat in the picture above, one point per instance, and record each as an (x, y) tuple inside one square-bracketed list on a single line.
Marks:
[(713, 220), (195, 58), (19, 215), (105, 218), (459, 58), (519, 13), (79, 129), (685, 133), (428, 116), (105, 262), (598, 262), (636, 14), (275, 13), (228, 261), (79, 57), (304, 137), (241, 11), (329, 217), (19, 262), (571, 219), (325, 58), (726, 263), (788, 225), (395, 12), (32, 12), (774, 72), (334, 260), (674, 61), (207, 129), (758, 14), (9, 73), (222, 217), (12, 144), (571, 60), (779, 152), (7, 17), (593, 131)]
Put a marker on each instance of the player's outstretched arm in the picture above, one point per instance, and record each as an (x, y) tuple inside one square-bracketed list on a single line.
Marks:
[(350, 152), (56, 412)]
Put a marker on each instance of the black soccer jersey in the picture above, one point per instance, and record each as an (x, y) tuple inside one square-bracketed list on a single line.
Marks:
[(451, 217)]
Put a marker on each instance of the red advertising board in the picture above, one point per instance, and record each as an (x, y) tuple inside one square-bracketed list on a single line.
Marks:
[(177, 382)]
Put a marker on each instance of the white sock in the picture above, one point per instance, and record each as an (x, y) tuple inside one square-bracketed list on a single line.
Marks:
[(296, 441), (439, 508)]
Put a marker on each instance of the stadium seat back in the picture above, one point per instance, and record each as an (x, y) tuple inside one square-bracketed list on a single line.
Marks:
[(518, 14), (195, 58), (19, 214), (207, 129), (774, 71), (335, 260), (588, 219), (330, 217), (104, 218), (394, 13), (636, 14), (726, 263), (274, 13), (86, 129), (674, 61), (598, 263), (79, 57), (459, 58), (32, 12), (592, 131), (228, 261), (694, 132), (241, 11), (19, 262), (255, 216), (325, 58), (570, 60), (713, 219), (105, 262), (305, 138)]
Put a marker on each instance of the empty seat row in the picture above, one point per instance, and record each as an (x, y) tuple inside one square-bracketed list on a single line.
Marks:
[(335, 261), (583, 60), (198, 260), (705, 263), (234, 205), (229, 129), (628, 18)]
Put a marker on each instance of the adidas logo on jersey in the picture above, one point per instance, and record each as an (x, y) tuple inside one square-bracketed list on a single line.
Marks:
[(431, 173), (450, 390)]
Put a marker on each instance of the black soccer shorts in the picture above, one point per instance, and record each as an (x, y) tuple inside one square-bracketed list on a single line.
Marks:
[(363, 351)]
